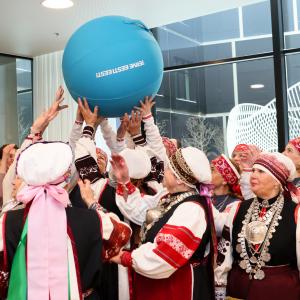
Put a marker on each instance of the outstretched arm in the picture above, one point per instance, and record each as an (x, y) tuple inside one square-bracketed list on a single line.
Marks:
[(153, 137), (37, 129)]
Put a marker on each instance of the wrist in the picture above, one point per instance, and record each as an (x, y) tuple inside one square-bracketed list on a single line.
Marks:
[(147, 116), (124, 181), (88, 131), (130, 187), (34, 136), (91, 124), (78, 122), (139, 140), (35, 130), (134, 132), (126, 259)]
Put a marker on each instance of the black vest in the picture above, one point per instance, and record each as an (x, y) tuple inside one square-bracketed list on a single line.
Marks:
[(153, 231), (283, 243), (86, 230)]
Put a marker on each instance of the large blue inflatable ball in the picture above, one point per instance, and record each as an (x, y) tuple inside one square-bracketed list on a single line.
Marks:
[(114, 62)]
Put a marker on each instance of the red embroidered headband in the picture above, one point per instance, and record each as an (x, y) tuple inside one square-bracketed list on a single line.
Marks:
[(226, 169), (241, 148)]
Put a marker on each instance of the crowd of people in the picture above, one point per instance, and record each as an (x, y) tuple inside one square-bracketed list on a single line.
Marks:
[(149, 220)]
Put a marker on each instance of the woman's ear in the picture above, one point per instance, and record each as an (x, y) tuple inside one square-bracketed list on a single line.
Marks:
[(178, 181)]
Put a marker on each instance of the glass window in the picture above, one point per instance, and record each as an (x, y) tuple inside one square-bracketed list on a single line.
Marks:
[(291, 10), (23, 74), (254, 46), (15, 99), (257, 19), (200, 101), (25, 114), (255, 81), (245, 30), (293, 93)]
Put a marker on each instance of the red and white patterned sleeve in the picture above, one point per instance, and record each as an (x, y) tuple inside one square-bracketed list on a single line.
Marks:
[(174, 245)]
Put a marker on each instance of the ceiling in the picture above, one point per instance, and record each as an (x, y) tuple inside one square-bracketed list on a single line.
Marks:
[(29, 29)]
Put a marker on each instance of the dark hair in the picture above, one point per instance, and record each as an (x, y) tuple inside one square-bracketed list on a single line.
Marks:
[(3, 146)]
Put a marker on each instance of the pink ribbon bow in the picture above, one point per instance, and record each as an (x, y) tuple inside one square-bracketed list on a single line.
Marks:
[(47, 257)]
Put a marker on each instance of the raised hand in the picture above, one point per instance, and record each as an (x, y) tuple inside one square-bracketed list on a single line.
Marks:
[(56, 107), (120, 168), (6, 158), (43, 120), (90, 118), (7, 149), (134, 126), (146, 106), (249, 157), (123, 127)]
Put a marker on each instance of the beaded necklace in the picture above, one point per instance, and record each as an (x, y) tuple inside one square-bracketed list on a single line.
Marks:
[(153, 215)]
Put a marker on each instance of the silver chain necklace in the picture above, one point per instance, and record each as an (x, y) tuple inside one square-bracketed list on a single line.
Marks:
[(165, 204), (258, 230)]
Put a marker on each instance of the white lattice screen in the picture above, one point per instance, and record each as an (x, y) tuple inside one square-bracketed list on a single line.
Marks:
[(255, 124)]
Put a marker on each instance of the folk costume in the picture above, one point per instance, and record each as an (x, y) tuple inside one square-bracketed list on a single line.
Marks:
[(49, 248), (259, 253), (231, 176), (175, 258), (115, 283)]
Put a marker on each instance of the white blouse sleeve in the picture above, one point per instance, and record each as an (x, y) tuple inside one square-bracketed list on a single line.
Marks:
[(154, 139), (134, 207), (174, 245), (85, 146), (75, 135), (110, 138), (225, 258)]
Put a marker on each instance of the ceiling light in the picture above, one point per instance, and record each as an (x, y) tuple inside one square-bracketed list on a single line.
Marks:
[(257, 86), (57, 4)]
